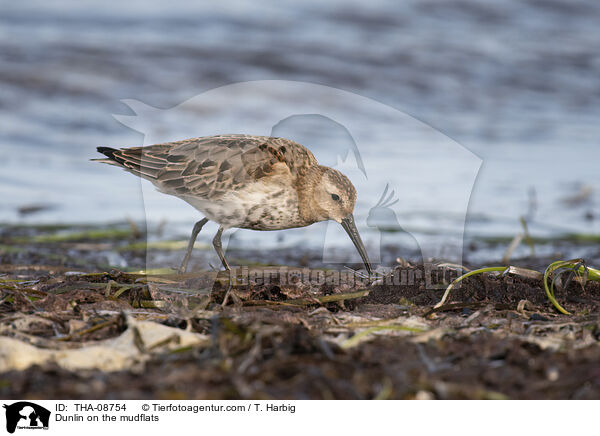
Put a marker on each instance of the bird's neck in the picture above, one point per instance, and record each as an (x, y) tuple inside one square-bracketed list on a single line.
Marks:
[(309, 209)]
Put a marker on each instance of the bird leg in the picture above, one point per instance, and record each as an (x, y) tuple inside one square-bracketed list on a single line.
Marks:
[(197, 227), (219, 249)]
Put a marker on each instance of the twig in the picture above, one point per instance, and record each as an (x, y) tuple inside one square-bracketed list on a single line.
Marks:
[(464, 276), (357, 338), (89, 330)]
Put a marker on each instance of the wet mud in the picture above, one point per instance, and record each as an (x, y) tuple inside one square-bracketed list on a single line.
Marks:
[(286, 331)]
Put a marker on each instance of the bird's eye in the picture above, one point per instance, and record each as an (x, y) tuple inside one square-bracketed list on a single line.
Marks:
[(335, 197)]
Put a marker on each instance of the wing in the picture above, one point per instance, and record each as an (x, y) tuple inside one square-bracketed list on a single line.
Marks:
[(209, 167)]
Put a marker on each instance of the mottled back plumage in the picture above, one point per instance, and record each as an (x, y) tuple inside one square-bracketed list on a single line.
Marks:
[(211, 166)]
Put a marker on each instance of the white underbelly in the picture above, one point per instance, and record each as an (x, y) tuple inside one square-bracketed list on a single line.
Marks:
[(259, 206)]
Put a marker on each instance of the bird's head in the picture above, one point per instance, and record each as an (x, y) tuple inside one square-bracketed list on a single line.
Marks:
[(331, 196), (334, 195)]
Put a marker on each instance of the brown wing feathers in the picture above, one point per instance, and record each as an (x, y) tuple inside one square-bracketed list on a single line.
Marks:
[(208, 167)]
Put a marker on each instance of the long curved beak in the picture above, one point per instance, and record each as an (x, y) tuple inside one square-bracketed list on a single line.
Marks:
[(350, 228)]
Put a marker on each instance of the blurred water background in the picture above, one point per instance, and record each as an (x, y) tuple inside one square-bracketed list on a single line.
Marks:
[(517, 83)]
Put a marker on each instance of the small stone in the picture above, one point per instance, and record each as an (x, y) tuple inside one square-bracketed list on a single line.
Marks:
[(424, 395), (552, 374), (537, 317)]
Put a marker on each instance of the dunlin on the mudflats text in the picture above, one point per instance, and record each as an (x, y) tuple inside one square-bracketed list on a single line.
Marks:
[(244, 181)]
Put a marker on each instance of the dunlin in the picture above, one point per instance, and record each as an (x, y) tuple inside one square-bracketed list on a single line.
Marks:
[(244, 181)]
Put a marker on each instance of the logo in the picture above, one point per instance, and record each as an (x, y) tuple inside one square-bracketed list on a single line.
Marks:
[(26, 415), (386, 154)]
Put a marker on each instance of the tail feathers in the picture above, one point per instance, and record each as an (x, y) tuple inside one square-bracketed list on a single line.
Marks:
[(110, 154), (130, 162), (107, 151)]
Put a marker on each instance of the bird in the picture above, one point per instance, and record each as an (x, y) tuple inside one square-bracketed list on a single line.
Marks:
[(245, 181), (384, 219)]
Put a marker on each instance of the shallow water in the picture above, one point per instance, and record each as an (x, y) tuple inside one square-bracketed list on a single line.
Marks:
[(502, 98)]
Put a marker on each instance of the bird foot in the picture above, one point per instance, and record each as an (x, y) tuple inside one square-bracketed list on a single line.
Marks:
[(230, 293), (179, 270)]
